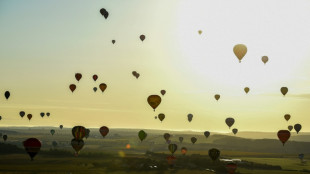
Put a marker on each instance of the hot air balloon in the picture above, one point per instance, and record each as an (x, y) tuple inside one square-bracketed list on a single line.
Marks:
[(77, 145), (246, 89), (217, 97), (72, 87), (95, 89), (172, 148), (113, 41), (104, 131), (78, 76), (235, 131), (104, 13), (230, 121), (284, 90), (287, 117), (142, 135), (231, 167), (214, 154), (265, 59), (102, 87), (22, 114), (297, 128), (52, 131), (137, 75), (190, 117), (32, 147), (48, 114), (301, 156), (161, 116), (95, 77), (207, 134), (284, 135), (193, 140), (29, 116), (183, 150), (42, 114), (142, 37), (170, 160), (5, 137), (0, 117), (154, 101), (78, 132), (61, 126), (87, 133), (167, 136), (163, 92), (240, 50), (155, 117), (181, 139), (290, 127), (7, 94), (54, 143), (134, 73), (199, 32)]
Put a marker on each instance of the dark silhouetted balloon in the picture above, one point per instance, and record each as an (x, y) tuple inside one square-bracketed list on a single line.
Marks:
[(78, 132), (113, 41), (207, 134), (77, 145), (142, 37), (181, 139), (52, 131), (78, 76), (22, 114), (287, 117), (103, 87), (190, 117), (163, 92), (235, 131), (217, 97), (283, 135), (284, 90), (214, 154), (7, 94), (5, 137), (297, 128), (172, 148), (229, 121), (32, 147), (240, 50), (104, 131), (161, 116), (246, 89), (87, 133), (42, 114), (29, 116), (95, 89), (95, 77), (72, 87), (61, 126), (0, 117), (142, 135), (193, 140), (167, 136), (154, 101), (104, 13), (265, 59), (48, 114), (290, 127)]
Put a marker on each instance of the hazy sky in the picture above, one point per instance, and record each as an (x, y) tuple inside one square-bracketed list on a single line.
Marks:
[(44, 43)]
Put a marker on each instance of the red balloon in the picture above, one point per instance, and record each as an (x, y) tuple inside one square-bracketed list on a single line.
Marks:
[(95, 77), (284, 135), (32, 146), (72, 87), (104, 131), (29, 116), (78, 76), (231, 168)]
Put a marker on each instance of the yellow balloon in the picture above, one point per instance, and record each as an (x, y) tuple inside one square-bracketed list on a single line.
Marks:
[(240, 50), (154, 101)]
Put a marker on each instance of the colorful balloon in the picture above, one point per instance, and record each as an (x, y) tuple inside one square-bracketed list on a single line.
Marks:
[(231, 167), (104, 131), (284, 90), (283, 135), (214, 154), (77, 145), (183, 150), (72, 87), (172, 148), (142, 135), (78, 132), (102, 87), (32, 147), (297, 128), (240, 50), (230, 121), (154, 101)]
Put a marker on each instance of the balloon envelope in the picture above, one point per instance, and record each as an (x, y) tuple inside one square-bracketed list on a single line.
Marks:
[(167, 136), (217, 96), (142, 37), (283, 135), (154, 101), (163, 92), (246, 89), (214, 154), (142, 135), (42, 114), (113, 41), (77, 145), (172, 148), (7, 94), (78, 132), (235, 131), (78, 76), (265, 59), (48, 114), (207, 134), (104, 13), (32, 146), (240, 50), (183, 150), (61, 126), (52, 131), (104, 131), (22, 114), (287, 117), (29, 116), (284, 90), (297, 128), (72, 87), (5, 137), (87, 133), (199, 32), (95, 77), (231, 168), (190, 117), (95, 89), (290, 127), (161, 116), (193, 140), (229, 121), (102, 87)]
